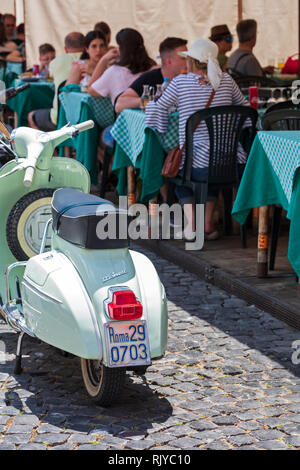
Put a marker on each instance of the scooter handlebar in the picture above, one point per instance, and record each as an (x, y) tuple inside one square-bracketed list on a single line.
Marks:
[(84, 126), (28, 176)]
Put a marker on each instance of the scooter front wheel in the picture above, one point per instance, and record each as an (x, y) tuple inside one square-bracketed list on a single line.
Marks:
[(102, 383)]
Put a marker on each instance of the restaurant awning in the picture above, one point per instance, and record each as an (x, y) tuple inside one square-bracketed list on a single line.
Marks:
[(277, 21)]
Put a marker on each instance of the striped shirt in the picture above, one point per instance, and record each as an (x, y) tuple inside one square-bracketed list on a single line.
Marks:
[(188, 95)]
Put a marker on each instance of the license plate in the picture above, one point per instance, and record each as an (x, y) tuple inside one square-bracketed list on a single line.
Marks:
[(127, 343)]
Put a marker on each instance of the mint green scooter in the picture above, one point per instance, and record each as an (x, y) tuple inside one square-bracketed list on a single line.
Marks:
[(85, 294)]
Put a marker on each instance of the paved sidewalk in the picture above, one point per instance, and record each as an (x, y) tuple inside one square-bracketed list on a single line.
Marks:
[(226, 382)]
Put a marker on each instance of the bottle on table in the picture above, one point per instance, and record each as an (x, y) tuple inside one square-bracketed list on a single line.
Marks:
[(36, 69), (145, 96), (159, 92), (253, 97), (165, 84)]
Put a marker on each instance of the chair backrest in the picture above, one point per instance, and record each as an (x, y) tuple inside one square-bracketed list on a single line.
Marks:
[(282, 120), (60, 86), (282, 105), (2, 69), (225, 126), (247, 81)]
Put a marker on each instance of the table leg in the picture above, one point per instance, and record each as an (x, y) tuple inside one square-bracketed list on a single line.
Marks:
[(263, 242), (153, 230), (16, 120), (255, 218), (131, 186)]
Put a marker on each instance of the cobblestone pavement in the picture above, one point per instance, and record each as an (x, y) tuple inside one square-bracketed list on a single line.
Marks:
[(226, 382)]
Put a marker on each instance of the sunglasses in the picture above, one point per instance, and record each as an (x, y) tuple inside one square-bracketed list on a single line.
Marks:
[(229, 39)]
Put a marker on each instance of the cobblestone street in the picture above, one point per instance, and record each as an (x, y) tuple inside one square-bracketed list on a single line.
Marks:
[(227, 382)]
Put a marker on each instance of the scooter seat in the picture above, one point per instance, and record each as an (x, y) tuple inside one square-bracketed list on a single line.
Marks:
[(76, 216)]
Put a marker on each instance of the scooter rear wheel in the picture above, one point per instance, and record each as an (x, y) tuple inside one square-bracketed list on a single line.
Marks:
[(25, 223), (102, 383)]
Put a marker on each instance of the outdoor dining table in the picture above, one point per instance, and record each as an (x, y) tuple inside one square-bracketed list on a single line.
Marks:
[(272, 177), (39, 95), (142, 147), (77, 107)]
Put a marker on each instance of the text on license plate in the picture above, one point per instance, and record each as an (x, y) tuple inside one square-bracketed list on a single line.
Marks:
[(127, 343)]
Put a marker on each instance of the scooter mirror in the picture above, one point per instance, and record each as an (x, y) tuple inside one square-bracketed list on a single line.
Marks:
[(4, 130)]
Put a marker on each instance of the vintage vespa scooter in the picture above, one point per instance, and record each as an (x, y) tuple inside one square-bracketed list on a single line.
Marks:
[(89, 296)]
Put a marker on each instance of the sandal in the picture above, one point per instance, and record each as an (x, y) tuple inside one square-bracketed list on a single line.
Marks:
[(212, 236), (186, 235)]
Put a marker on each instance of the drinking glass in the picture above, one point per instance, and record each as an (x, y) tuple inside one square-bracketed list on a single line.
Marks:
[(281, 63), (272, 100), (282, 98)]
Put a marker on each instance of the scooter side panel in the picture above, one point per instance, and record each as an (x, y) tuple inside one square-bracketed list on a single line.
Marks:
[(59, 311)]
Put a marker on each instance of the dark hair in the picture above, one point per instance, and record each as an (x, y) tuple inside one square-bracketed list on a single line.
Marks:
[(246, 30), (45, 48), (220, 37), (91, 35), (169, 45), (103, 27), (21, 28), (74, 41), (3, 38), (8, 15), (133, 53)]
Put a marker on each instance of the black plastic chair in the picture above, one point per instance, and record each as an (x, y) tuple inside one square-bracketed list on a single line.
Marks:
[(60, 86), (108, 156), (2, 69), (247, 81), (282, 105), (225, 126), (282, 120)]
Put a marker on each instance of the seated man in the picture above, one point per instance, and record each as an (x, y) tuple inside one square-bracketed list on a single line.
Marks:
[(243, 61), (9, 22), (171, 65), (222, 36), (59, 69)]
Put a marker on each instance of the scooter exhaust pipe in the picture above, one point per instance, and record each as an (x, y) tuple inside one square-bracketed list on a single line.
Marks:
[(14, 318)]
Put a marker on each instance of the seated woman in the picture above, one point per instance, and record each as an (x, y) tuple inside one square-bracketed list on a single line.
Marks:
[(95, 48), (131, 60), (190, 93), (8, 49)]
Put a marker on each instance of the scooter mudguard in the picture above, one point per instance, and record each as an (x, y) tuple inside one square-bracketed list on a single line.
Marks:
[(67, 310)]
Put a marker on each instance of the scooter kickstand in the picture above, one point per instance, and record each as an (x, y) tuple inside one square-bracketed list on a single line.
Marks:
[(18, 369)]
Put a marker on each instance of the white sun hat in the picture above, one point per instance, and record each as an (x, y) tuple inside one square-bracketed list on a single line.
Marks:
[(206, 51)]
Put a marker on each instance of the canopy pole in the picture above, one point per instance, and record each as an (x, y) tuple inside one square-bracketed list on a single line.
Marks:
[(240, 10)]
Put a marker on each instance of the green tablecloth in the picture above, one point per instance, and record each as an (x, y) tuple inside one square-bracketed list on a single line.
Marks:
[(271, 177), (78, 107), (38, 96), (283, 80), (143, 147)]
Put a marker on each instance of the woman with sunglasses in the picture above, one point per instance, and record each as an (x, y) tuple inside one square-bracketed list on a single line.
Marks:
[(222, 36)]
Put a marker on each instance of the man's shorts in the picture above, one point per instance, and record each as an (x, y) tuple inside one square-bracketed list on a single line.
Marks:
[(41, 118)]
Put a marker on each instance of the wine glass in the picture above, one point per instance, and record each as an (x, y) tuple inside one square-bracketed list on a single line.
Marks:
[(282, 98), (272, 100)]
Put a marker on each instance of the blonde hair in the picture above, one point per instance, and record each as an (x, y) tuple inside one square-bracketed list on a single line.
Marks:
[(195, 65)]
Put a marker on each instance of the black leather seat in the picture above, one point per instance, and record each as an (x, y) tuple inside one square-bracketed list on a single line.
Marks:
[(76, 216)]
